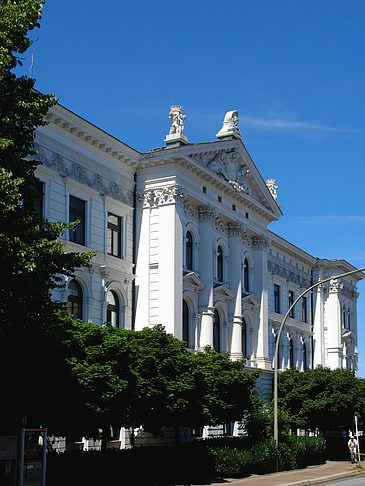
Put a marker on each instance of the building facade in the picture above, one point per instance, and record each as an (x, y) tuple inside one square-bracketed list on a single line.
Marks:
[(182, 239)]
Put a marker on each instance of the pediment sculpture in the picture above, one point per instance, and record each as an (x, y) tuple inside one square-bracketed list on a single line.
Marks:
[(229, 165)]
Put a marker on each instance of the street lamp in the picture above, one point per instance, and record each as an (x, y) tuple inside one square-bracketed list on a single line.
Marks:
[(276, 431)]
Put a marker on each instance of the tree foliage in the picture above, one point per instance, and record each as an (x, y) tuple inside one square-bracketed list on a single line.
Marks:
[(150, 378), (321, 398), (32, 259)]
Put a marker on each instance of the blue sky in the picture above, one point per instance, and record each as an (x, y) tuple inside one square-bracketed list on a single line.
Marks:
[(294, 70)]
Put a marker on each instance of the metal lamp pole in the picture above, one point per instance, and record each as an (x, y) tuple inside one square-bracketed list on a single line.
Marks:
[(276, 429)]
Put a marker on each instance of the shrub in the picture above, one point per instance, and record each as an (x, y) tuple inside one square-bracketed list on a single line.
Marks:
[(231, 462), (307, 450)]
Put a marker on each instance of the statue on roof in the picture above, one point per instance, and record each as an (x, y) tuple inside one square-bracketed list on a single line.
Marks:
[(273, 188), (230, 125), (177, 120)]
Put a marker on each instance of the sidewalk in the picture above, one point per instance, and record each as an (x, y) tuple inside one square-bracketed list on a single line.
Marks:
[(311, 475)]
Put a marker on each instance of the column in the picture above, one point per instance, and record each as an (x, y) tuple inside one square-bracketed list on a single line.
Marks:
[(206, 309), (260, 245), (235, 232), (334, 349)]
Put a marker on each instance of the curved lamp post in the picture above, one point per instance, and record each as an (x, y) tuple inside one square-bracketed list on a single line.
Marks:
[(276, 430)]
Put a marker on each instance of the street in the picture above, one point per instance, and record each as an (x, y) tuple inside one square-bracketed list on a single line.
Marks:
[(355, 481)]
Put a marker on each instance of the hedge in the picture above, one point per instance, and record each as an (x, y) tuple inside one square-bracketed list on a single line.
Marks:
[(204, 460)]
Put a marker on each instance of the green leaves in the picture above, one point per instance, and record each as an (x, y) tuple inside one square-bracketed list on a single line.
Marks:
[(321, 398)]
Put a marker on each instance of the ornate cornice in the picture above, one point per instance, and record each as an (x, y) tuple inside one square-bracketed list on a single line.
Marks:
[(67, 168), (161, 196)]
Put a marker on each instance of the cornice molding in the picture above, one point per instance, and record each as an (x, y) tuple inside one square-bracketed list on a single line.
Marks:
[(103, 141)]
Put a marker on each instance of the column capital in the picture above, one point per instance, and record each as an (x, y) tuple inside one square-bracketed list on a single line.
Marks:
[(260, 242)]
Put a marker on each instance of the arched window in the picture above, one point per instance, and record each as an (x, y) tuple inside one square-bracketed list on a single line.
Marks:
[(305, 364), (291, 354), (246, 276), (217, 332), (185, 323), (220, 264), (75, 298), (244, 338), (189, 251), (112, 309)]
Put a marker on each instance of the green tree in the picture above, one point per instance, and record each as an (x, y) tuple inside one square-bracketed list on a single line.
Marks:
[(32, 260), (150, 378), (321, 398)]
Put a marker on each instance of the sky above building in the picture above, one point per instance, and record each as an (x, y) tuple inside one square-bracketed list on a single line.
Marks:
[(294, 70)]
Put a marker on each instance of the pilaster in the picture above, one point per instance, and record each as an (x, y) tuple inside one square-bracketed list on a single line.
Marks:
[(334, 348), (260, 246), (207, 215)]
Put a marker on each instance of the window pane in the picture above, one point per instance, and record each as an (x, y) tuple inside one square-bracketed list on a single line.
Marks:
[(185, 323), (114, 235), (217, 332), (189, 251), (77, 212)]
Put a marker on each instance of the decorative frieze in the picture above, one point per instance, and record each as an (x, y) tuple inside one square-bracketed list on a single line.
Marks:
[(207, 213), (78, 173), (287, 274), (236, 229), (161, 196), (260, 242), (191, 211)]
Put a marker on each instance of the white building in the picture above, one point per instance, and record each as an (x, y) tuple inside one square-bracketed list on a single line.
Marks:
[(182, 240)]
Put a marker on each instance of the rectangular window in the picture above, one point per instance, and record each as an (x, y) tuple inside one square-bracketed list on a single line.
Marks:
[(77, 213), (277, 298), (39, 199), (291, 302), (114, 237), (220, 199), (304, 309), (204, 189)]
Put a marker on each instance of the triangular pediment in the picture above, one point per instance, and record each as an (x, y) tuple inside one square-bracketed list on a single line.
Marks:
[(193, 282), (222, 292), (232, 163), (249, 302)]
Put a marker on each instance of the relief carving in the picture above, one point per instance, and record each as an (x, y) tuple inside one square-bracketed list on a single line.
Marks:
[(80, 174)]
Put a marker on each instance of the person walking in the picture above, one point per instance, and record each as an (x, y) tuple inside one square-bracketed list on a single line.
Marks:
[(353, 448)]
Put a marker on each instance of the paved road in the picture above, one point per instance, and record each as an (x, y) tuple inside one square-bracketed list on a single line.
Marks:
[(355, 481)]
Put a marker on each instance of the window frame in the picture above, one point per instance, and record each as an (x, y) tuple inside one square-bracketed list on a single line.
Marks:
[(291, 299), (217, 331), (246, 275), (112, 229), (81, 216), (277, 307), (220, 264), (185, 334), (75, 299), (189, 251), (113, 308), (304, 310)]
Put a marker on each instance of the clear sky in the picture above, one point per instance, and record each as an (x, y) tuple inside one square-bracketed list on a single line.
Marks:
[(295, 70)]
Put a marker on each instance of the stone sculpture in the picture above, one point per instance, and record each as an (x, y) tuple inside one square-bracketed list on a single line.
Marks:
[(230, 125)]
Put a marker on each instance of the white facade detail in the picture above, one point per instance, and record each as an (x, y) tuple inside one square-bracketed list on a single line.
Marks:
[(192, 249)]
